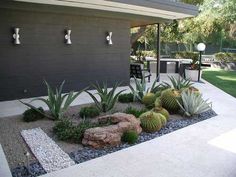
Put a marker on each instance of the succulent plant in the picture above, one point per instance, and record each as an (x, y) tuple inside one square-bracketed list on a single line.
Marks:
[(150, 121), (178, 83), (130, 137), (193, 104), (149, 99), (162, 111), (192, 89), (163, 119), (157, 103), (169, 99)]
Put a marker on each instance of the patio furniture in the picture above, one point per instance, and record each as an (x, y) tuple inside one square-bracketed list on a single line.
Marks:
[(137, 70)]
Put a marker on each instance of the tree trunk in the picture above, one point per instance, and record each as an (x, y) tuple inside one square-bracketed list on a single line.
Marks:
[(136, 36)]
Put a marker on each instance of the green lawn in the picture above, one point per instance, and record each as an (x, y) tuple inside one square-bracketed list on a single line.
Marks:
[(225, 80)]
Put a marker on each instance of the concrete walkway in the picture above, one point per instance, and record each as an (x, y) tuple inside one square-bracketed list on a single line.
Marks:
[(205, 149)]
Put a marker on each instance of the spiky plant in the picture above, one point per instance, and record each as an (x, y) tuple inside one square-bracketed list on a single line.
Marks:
[(178, 84), (168, 100), (57, 102), (150, 121), (107, 98), (163, 119), (149, 99), (140, 89), (193, 104), (162, 111)]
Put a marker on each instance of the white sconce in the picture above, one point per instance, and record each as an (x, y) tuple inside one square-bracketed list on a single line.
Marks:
[(67, 37), (16, 36), (109, 38)]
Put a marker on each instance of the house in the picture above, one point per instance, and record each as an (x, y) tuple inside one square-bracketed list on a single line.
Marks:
[(80, 41)]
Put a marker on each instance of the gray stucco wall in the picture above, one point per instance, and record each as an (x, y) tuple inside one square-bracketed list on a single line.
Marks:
[(44, 55)]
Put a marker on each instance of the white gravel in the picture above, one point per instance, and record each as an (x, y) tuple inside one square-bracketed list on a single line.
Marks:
[(48, 153)]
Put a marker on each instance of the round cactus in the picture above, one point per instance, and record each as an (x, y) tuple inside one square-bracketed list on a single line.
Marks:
[(149, 99), (158, 102), (150, 121), (168, 100), (162, 111), (163, 119)]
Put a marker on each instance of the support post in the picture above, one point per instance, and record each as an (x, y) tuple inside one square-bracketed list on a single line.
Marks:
[(158, 51), (200, 64)]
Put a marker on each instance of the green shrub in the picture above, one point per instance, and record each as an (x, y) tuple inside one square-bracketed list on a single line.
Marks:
[(126, 98), (149, 99), (130, 137), (188, 55), (66, 131), (162, 111), (107, 98), (193, 104), (134, 111), (225, 57), (89, 112), (169, 99), (57, 102), (150, 121), (33, 115)]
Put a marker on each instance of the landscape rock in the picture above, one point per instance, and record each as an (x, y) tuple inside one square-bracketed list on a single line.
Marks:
[(110, 135)]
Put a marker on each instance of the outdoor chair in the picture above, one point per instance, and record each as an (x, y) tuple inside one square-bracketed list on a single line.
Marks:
[(137, 70)]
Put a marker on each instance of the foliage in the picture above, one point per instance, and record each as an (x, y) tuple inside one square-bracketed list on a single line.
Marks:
[(177, 84), (187, 55), (162, 111), (225, 57), (130, 137), (193, 104), (168, 100), (134, 111), (150, 121), (66, 131), (33, 115), (107, 98), (126, 98), (191, 89), (149, 99), (57, 102), (89, 112), (140, 89)]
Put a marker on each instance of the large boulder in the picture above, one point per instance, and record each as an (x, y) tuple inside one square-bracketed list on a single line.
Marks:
[(111, 135)]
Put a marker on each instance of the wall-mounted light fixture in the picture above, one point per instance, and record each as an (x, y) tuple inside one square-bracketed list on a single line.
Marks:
[(16, 36), (67, 37), (109, 38)]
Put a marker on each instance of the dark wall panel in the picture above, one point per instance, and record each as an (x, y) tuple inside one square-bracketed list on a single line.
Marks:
[(44, 55)]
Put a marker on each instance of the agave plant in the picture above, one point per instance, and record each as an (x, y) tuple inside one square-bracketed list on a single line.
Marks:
[(107, 98), (178, 84), (193, 104), (140, 89), (57, 102)]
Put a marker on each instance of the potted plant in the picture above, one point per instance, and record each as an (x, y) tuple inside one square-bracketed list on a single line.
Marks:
[(192, 72)]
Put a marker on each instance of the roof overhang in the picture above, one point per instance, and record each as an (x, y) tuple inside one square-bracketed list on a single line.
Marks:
[(164, 9)]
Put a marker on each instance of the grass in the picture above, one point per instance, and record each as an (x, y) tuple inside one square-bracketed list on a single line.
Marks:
[(225, 80)]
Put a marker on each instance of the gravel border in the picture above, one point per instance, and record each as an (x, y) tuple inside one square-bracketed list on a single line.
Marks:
[(89, 153)]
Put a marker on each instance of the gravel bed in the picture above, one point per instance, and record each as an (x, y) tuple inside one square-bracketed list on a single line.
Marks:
[(88, 153)]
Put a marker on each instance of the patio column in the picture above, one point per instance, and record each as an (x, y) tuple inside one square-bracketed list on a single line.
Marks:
[(158, 51)]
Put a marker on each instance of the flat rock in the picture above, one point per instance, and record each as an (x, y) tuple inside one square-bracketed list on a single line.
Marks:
[(110, 135)]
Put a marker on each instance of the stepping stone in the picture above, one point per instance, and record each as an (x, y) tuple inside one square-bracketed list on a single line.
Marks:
[(48, 153)]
